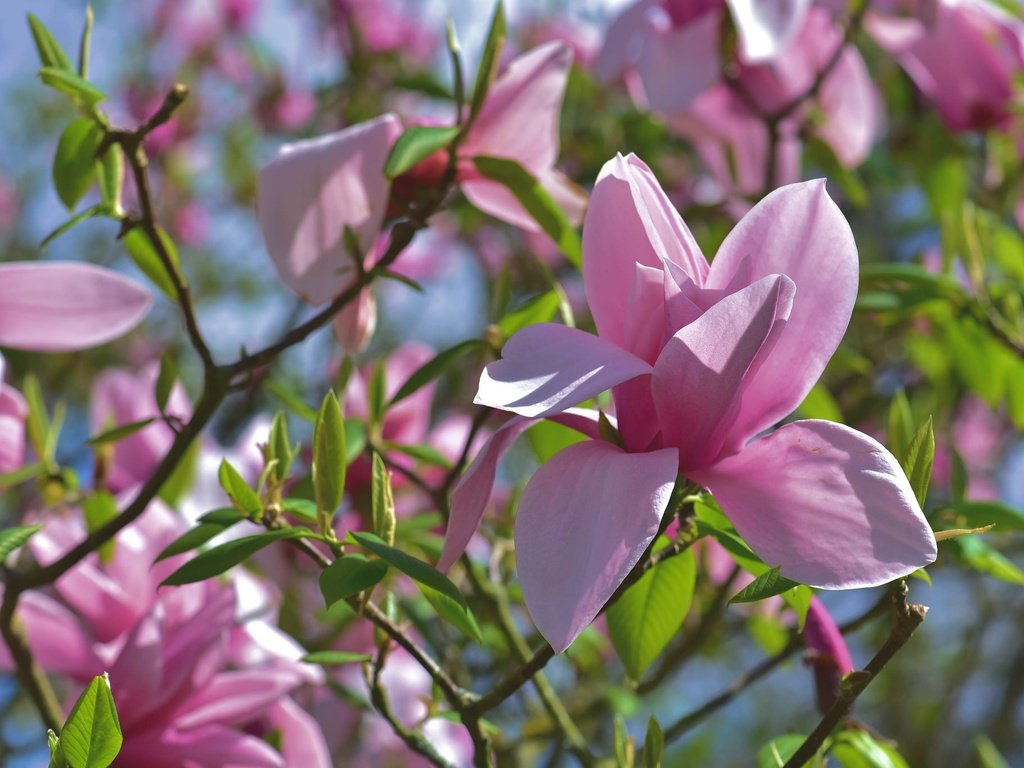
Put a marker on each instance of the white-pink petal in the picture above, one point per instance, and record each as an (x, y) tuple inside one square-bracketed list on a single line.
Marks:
[(828, 504), (584, 520), (64, 306)]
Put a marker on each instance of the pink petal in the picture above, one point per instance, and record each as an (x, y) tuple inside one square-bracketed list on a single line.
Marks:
[(59, 307), (677, 64), (470, 497), (311, 191), (624, 41), (797, 231), (302, 741), (519, 119), (206, 747), (766, 26), (13, 411), (852, 108), (700, 379), (828, 504), (584, 520), (630, 221), (237, 697), (59, 642), (546, 368)]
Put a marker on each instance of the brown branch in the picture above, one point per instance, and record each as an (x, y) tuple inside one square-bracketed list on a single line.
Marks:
[(908, 619)]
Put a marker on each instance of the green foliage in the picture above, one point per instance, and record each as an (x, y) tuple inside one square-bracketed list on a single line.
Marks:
[(648, 614), (74, 164), (768, 584), (15, 537), (210, 525), (433, 368), (415, 144), (489, 61), (382, 503), (330, 461), (142, 251), (242, 496), (92, 734), (216, 560), (100, 508), (349, 575)]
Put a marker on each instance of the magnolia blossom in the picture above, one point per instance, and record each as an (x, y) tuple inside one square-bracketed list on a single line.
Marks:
[(13, 411), (315, 190), (973, 89), (701, 362), (673, 46), (827, 653), (194, 684)]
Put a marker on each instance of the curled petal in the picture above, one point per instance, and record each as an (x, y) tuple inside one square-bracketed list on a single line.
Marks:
[(496, 199), (700, 378), (209, 746), (630, 221), (797, 231), (584, 520), (546, 368), (58, 307), (828, 504), (624, 41), (470, 497), (677, 64), (311, 192)]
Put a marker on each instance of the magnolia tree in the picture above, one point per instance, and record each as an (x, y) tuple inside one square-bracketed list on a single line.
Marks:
[(738, 323)]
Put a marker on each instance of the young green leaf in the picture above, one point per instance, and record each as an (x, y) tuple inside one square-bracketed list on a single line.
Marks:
[(92, 734), (350, 575), (38, 422), (455, 56), (329, 461), (376, 397), (977, 554), (539, 309), (458, 616), (415, 569), (654, 744), (433, 368), (976, 514), (776, 752), (98, 509), (12, 538), (110, 176), (74, 163), (415, 144), (281, 447), (382, 502), (242, 496), (423, 453), (622, 743), (855, 748), (331, 658), (919, 458), (648, 614), (488, 61), (768, 584), (146, 258), (100, 209), (50, 52), (900, 425), (67, 81), (216, 560), (120, 432), (536, 200), (86, 43), (165, 381), (210, 525), (57, 759)]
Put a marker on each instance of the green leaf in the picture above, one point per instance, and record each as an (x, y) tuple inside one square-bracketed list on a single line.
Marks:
[(415, 569), (86, 43), (425, 454), (355, 439), (459, 616), (99, 509), (988, 755), (165, 381), (382, 502), (290, 399), (146, 258), (537, 202), (489, 61), (120, 432), (654, 744), (50, 52), (209, 526), (622, 744), (819, 404), (242, 496), (182, 476), (303, 508), (74, 164), (981, 513), (415, 144), (900, 425), (539, 309), (776, 752), (330, 658), (37, 423), (455, 57), (21, 475), (100, 209), (110, 176), (433, 368), (858, 749), (547, 438), (376, 397), (957, 476), (330, 460), (768, 584), (68, 82), (280, 446), (216, 560), (92, 734), (350, 575), (976, 554), (919, 458), (12, 538), (649, 613), (57, 759)]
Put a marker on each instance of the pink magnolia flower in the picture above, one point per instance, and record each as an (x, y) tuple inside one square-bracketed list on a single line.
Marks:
[(193, 684), (386, 26), (827, 653), (973, 90), (700, 360), (673, 46), (119, 398), (313, 190), (13, 411), (59, 307), (732, 138)]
